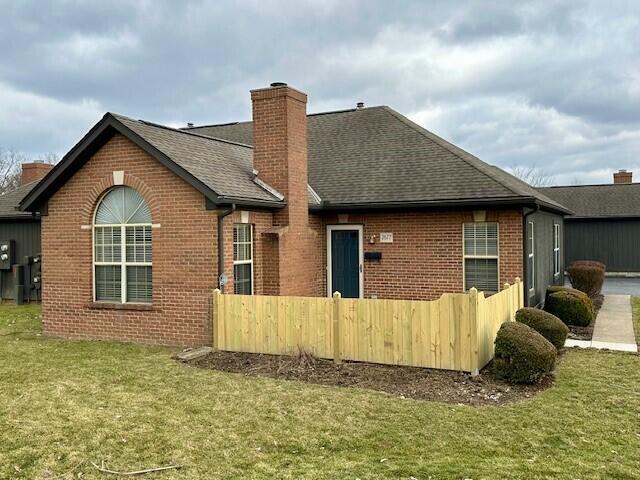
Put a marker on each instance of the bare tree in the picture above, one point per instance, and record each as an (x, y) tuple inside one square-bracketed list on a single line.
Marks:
[(533, 176), (11, 169)]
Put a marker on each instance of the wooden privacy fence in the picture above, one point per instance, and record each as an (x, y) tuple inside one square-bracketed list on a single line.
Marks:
[(455, 332)]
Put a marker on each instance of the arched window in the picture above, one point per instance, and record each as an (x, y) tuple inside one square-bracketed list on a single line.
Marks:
[(122, 248)]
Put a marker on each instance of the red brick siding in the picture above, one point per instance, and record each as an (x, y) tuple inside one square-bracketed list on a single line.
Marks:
[(184, 254), (34, 171), (263, 249), (425, 259), (280, 156)]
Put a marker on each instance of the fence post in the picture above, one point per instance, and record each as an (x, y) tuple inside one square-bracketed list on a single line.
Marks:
[(214, 317), (473, 325), (520, 293), (336, 327)]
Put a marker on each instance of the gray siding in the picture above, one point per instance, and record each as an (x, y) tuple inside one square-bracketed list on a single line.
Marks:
[(543, 256), (26, 235), (612, 242)]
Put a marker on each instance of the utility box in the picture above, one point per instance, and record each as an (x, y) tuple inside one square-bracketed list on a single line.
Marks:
[(18, 278), (7, 253)]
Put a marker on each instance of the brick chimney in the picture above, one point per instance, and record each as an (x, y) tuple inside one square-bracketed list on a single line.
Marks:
[(33, 171), (280, 157), (280, 148), (622, 176)]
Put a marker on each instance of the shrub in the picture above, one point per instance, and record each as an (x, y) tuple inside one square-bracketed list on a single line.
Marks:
[(583, 297), (546, 324), (587, 276), (589, 263), (522, 355), (570, 308)]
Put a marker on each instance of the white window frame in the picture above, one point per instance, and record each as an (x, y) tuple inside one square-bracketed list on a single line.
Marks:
[(531, 255), (244, 262), (556, 249), (465, 256), (123, 256)]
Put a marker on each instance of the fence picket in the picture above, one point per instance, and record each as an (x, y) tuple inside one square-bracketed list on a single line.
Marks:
[(456, 331)]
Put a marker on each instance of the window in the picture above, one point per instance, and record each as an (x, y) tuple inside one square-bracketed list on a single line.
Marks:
[(122, 248), (556, 249), (531, 266), (243, 258), (481, 256)]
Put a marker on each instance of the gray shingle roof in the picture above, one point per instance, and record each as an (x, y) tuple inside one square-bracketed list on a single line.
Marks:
[(377, 156), (226, 168), (621, 200), (10, 200)]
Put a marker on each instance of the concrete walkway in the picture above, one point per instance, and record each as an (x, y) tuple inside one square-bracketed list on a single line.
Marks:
[(614, 326)]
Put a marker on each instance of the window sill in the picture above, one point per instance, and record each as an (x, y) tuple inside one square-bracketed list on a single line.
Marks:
[(121, 306)]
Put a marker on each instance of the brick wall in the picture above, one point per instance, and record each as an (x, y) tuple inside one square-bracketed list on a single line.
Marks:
[(264, 248), (425, 258), (184, 254), (280, 156)]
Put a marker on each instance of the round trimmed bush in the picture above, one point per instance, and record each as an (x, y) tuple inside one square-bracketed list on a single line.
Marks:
[(587, 276), (569, 308), (522, 355), (589, 263), (583, 297), (546, 324), (559, 288)]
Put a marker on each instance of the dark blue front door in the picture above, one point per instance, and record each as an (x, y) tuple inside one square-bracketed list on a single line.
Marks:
[(345, 263)]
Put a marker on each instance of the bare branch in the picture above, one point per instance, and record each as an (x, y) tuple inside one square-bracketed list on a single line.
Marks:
[(533, 176), (137, 472), (11, 167)]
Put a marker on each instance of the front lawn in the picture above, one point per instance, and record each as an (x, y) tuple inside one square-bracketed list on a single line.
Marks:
[(635, 304), (64, 404)]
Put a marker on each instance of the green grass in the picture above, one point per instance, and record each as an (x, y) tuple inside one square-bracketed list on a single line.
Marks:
[(635, 303), (66, 402)]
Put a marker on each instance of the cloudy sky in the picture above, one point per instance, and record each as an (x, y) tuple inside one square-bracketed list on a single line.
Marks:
[(545, 84)]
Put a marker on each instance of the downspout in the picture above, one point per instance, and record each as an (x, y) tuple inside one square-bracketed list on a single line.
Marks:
[(221, 216), (525, 256)]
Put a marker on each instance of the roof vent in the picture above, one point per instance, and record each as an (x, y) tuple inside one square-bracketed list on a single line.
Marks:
[(359, 105), (189, 125), (278, 84)]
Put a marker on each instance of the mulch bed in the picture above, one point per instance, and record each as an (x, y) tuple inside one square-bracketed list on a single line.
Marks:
[(585, 333), (403, 382)]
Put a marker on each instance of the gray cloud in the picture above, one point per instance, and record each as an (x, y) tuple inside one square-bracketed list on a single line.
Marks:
[(555, 85)]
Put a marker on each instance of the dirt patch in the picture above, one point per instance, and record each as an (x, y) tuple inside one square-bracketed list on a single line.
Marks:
[(404, 382), (581, 333), (585, 333)]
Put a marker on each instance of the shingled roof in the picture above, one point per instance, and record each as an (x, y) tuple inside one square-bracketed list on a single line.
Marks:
[(360, 158), (224, 166), (375, 156), (598, 201), (220, 169), (10, 200)]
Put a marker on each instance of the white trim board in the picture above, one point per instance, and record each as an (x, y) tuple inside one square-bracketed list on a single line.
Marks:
[(360, 230)]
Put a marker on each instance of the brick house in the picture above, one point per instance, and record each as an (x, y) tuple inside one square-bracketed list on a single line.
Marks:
[(140, 222)]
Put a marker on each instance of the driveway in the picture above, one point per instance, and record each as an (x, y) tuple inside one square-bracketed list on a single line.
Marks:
[(618, 286), (621, 286)]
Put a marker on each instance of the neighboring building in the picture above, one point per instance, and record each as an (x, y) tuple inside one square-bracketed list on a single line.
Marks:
[(605, 224), (21, 231), (140, 220)]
